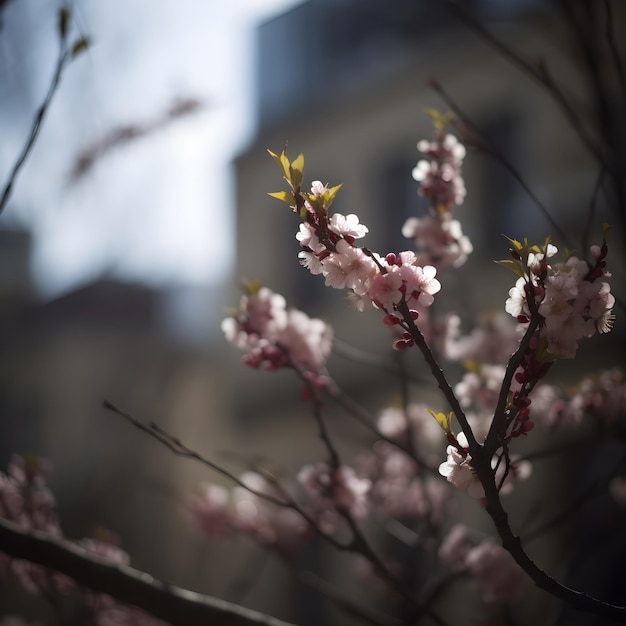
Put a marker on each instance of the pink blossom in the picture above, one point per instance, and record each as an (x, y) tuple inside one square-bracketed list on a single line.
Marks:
[(458, 470), (516, 303), (348, 267), (335, 492), (308, 239), (617, 489), (347, 225), (502, 579), (211, 511), (419, 283), (317, 188), (455, 547), (384, 290), (569, 298), (493, 339), (493, 568), (274, 336), (439, 240), (276, 526)]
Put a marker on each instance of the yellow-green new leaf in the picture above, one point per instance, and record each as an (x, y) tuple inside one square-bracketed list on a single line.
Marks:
[(445, 421), (515, 266), (283, 196), (440, 120), (296, 171), (330, 194), (283, 163), (516, 244)]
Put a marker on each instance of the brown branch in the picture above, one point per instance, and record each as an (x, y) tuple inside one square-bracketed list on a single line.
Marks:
[(179, 607), (513, 545), (442, 382), (481, 462)]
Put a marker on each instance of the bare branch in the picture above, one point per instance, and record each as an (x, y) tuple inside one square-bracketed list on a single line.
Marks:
[(64, 57), (179, 607)]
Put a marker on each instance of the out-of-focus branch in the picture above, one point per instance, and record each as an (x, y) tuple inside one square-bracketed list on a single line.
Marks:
[(538, 72), (180, 449), (122, 135), (491, 151), (179, 607), (66, 54)]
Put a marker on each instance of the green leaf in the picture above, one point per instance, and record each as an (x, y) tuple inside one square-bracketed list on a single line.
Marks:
[(284, 196), (445, 421)]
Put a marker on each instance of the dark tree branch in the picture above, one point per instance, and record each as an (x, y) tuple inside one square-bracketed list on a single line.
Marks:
[(179, 607)]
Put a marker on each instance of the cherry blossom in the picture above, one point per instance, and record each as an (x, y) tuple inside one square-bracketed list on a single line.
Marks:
[(274, 336), (335, 492), (490, 565), (568, 296), (439, 240), (211, 511), (458, 470)]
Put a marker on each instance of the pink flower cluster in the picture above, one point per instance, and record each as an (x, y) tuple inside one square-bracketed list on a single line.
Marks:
[(438, 237), (26, 500), (568, 296), (458, 469), (600, 397), (492, 340), (219, 513), (274, 336), (441, 181), (328, 249), (489, 564), (399, 487), (335, 493)]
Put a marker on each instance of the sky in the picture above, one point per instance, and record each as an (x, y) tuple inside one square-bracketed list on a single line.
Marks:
[(158, 210)]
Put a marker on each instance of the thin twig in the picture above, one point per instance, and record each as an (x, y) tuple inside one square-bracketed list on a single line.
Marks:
[(538, 74), (178, 448), (368, 616), (63, 58), (615, 55), (490, 150)]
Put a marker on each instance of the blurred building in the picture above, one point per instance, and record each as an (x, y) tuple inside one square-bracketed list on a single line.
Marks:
[(131, 345)]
